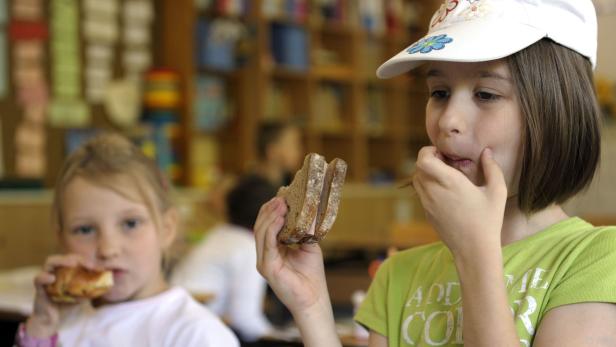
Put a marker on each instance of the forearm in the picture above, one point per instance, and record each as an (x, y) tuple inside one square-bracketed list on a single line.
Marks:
[(487, 318), (317, 325)]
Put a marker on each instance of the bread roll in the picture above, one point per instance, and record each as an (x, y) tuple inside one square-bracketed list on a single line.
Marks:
[(78, 282)]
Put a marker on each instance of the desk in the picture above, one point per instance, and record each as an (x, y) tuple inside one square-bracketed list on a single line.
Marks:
[(17, 290)]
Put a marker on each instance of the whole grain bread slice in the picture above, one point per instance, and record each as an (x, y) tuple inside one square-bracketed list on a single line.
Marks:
[(302, 197), (330, 198)]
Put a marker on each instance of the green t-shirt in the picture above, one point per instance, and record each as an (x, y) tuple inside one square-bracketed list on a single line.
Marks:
[(415, 298)]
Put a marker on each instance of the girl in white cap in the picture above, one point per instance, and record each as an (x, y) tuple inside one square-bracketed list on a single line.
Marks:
[(515, 132)]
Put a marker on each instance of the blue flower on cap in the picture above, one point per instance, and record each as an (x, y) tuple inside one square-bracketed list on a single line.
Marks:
[(429, 43)]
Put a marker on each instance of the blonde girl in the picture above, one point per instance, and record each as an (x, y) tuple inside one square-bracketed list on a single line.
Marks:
[(112, 211)]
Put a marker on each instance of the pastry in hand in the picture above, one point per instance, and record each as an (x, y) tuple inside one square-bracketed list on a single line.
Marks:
[(78, 282)]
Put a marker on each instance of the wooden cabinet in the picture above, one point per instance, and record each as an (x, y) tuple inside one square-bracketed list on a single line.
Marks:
[(326, 85)]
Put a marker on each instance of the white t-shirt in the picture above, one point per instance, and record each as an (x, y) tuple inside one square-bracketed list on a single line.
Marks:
[(169, 319), (225, 264)]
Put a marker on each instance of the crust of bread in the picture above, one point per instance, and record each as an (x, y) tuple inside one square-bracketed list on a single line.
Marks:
[(77, 282), (312, 199), (330, 198), (302, 197)]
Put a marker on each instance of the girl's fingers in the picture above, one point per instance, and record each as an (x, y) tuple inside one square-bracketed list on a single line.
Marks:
[(268, 226), (55, 261), (274, 206), (44, 278), (265, 208), (264, 219), (269, 251), (495, 179), (430, 162), (68, 260)]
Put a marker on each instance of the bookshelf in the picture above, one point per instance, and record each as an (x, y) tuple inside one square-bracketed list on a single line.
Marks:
[(310, 65)]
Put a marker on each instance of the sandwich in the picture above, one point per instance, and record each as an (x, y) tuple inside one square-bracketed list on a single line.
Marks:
[(312, 199), (78, 282)]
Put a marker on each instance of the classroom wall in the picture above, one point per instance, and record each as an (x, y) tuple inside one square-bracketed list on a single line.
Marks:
[(600, 199), (606, 56)]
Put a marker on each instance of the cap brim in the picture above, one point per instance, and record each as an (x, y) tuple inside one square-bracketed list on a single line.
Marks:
[(470, 42)]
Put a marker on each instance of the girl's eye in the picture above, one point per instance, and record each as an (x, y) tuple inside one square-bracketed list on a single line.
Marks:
[(485, 96), (130, 223), (439, 94), (84, 230)]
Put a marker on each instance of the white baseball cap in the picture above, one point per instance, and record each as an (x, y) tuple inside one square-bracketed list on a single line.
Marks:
[(483, 30)]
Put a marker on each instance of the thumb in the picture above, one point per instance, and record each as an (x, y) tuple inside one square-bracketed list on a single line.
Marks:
[(495, 179)]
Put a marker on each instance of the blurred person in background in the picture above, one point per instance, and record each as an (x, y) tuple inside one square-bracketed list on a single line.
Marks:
[(279, 153), (223, 264)]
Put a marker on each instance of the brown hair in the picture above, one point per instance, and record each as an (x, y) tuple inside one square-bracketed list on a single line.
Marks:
[(562, 123), (112, 161)]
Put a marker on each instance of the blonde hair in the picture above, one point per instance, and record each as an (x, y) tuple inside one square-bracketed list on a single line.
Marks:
[(112, 161)]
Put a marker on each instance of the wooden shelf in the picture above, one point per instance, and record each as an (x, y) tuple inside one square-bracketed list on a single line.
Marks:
[(335, 82), (333, 28), (284, 20), (287, 73), (217, 72), (333, 73)]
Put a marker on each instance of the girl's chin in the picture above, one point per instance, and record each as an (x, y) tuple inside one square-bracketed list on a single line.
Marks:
[(472, 175), (116, 295)]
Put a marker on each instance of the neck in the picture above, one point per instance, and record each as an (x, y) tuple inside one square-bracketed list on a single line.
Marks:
[(271, 172), (518, 225)]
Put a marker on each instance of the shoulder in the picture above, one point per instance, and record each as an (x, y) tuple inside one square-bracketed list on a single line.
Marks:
[(594, 237), (416, 254), (599, 241), (411, 259), (195, 323), (200, 332)]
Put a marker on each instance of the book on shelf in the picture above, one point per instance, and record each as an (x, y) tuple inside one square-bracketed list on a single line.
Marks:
[(216, 42), (231, 8), (1, 153), (373, 112), (277, 103), (374, 16), (328, 108), (159, 138), (205, 170), (289, 46), (293, 10), (211, 110)]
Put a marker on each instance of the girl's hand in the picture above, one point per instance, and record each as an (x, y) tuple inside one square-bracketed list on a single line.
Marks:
[(296, 274), (45, 317), (465, 216)]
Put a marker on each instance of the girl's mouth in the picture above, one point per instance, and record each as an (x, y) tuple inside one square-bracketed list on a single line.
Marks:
[(118, 273), (457, 162)]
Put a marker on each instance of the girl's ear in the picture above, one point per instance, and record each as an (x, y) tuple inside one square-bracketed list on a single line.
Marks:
[(169, 227)]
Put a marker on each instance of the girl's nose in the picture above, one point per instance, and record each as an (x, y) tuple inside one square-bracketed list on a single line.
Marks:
[(453, 119), (108, 245)]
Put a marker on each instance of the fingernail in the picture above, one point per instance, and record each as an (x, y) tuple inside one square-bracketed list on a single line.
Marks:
[(488, 152)]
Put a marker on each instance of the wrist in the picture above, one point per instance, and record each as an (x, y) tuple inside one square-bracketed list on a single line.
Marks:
[(478, 245), (478, 260), (23, 339), (316, 324)]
